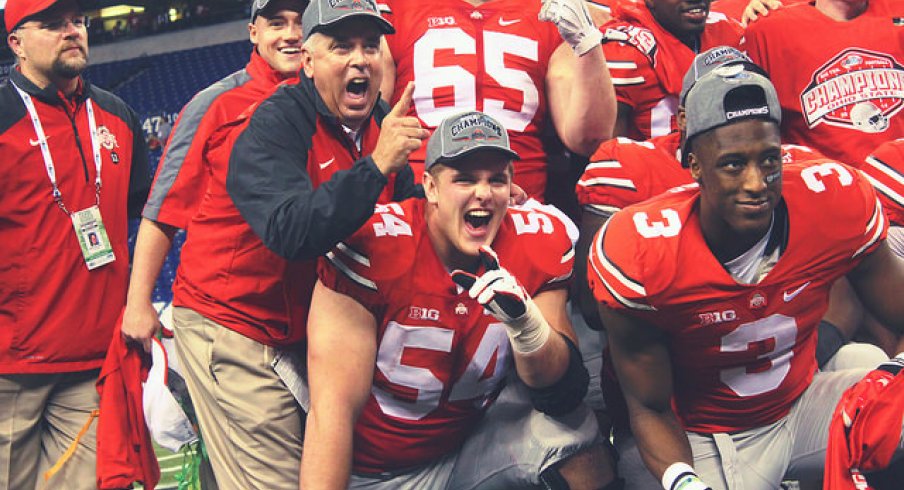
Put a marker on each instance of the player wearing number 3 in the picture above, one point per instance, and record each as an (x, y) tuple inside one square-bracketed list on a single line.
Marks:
[(506, 59), (427, 356), (712, 296)]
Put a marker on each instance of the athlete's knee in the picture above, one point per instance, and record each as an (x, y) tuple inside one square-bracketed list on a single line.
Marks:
[(590, 469)]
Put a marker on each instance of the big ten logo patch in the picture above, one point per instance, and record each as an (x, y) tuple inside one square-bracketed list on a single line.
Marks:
[(447, 21), (857, 89), (421, 313), (714, 317)]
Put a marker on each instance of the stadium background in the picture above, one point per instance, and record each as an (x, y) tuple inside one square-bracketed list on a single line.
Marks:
[(156, 54)]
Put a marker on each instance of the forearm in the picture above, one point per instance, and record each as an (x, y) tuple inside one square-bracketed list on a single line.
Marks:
[(327, 458), (544, 366), (152, 244), (588, 116), (660, 439), (304, 223)]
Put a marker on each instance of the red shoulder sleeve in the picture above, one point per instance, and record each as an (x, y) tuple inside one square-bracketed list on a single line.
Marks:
[(616, 176), (885, 171), (614, 267), (537, 248), (631, 71)]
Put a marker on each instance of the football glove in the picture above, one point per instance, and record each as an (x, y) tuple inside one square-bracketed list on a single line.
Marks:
[(504, 297), (573, 20)]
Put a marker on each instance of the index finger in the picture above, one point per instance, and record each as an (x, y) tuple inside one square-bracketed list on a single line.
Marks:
[(404, 104)]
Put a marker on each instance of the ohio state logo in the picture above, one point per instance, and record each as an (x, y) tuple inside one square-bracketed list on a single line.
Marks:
[(106, 138), (857, 89)]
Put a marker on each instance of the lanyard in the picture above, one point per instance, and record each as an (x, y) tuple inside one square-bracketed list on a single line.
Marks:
[(45, 148)]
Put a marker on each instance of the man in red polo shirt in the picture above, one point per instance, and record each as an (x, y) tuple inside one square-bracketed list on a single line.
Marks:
[(291, 177)]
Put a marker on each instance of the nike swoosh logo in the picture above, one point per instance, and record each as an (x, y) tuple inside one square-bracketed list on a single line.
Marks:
[(789, 295), (505, 23), (34, 142), (327, 163)]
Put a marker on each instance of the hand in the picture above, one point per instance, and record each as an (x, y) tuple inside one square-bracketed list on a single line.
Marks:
[(575, 25), (867, 389), (518, 195), (140, 324), (400, 135), (497, 290), (758, 7)]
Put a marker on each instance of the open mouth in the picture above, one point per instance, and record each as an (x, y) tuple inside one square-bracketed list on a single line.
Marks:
[(695, 14), (478, 218), (357, 87)]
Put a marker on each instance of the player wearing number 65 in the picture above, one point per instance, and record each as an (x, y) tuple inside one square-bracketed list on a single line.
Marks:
[(427, 349), (712, 295)]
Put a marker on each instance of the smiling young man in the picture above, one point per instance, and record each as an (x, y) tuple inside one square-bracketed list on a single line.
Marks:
[(182, 175), (74, 167), (649, 46), (426, 356), (291, 176), (712, 295)]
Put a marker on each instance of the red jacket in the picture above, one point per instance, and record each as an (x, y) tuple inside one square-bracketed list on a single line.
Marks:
[(183, 172), (55, 314), (125, 453)]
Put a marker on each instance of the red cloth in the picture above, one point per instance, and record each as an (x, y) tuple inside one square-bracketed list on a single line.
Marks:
[(124, 450), (875, 408)]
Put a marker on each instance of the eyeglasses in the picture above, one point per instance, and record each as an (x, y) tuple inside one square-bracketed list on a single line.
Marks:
[(58, 25)]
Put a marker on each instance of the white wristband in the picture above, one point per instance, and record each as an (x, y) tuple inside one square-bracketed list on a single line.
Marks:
[(680, 476), (529, 331)]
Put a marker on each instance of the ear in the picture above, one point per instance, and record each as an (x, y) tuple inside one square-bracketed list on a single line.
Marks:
[(694, 165), (681, 119), (430, 190), (14, 41), (307, 60), (252, 33)]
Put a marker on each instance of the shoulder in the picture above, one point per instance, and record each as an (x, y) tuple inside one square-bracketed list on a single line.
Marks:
[(637, 250), (536, 243), (214, 94), (384, 248), (112, 104)]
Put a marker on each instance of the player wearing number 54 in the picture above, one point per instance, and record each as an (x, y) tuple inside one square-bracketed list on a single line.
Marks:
[(712, 294), (435, 370)]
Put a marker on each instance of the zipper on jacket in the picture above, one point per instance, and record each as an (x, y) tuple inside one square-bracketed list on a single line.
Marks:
[(78, 141)]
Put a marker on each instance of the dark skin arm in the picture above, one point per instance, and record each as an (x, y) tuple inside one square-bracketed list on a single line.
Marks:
[(643, 364), (878, 280), (590, 224), (624, 121)]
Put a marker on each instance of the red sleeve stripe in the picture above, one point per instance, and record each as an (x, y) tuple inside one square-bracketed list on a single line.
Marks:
[(612, 271), (884, 168), (384, 8), (569, 255), (874, 228), (608, 181), (621, 65), (349, 273)]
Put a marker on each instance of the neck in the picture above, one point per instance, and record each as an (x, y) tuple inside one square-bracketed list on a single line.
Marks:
[(67, 86), (842, 10)]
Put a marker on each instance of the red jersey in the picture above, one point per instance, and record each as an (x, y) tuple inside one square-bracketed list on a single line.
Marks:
[(842, 94), (734, 9), (491, 58), (885, 170), (741, 353), (441, 359), (624, 172), (648, 68)]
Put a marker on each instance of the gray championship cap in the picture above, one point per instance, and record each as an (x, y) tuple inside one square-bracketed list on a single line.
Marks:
[(711, 59), (462, 134), (728, 94), (321, 14)]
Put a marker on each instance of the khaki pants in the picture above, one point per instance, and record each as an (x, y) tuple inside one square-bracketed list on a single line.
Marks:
[(40, 416), (250, 422)]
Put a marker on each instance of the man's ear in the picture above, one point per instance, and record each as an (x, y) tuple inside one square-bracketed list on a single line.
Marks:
[(14, 41), (694, 166), (307, 60), (430, 190)]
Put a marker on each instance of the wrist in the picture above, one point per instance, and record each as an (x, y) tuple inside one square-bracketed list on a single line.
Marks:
[(590, 39), (530, 331), (681, 476)]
